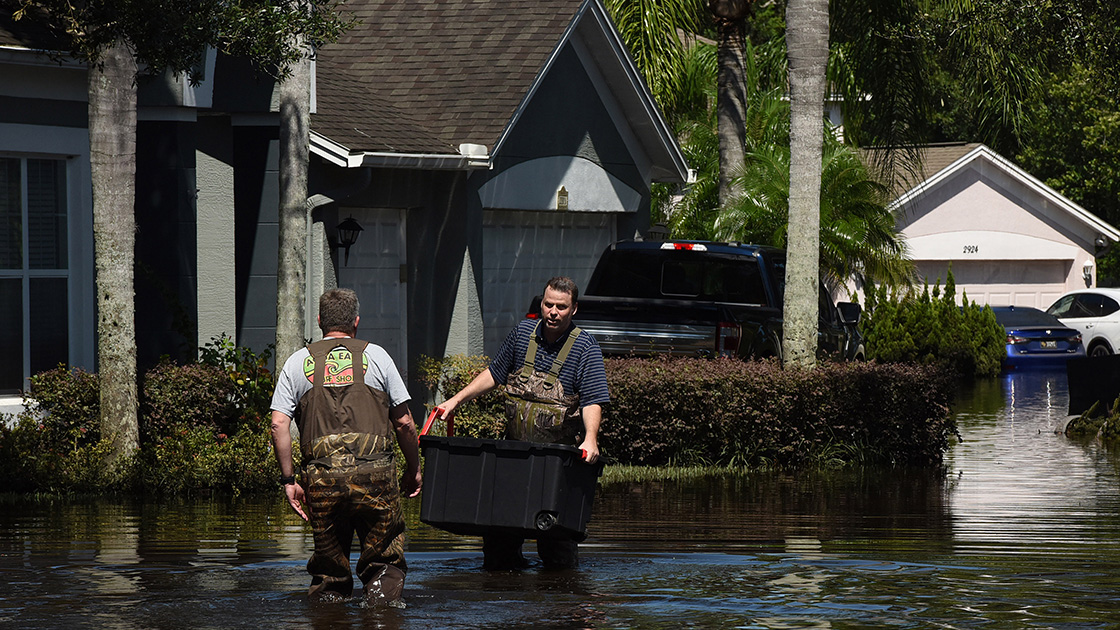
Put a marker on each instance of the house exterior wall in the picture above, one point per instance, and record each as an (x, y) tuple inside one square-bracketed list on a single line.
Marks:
[(256, 150), (570, 136), (166, 243)]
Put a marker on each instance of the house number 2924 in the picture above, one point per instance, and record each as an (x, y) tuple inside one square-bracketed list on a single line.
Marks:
[(971, 249)]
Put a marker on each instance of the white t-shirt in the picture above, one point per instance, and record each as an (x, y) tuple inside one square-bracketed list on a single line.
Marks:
[(294, 379)]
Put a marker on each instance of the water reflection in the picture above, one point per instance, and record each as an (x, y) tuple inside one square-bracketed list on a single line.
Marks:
[(1019, 530)]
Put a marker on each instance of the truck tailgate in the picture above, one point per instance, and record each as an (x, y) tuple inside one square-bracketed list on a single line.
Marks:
[(645, 337)]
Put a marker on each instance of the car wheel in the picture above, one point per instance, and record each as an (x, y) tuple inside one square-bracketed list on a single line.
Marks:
[(1100, 350)]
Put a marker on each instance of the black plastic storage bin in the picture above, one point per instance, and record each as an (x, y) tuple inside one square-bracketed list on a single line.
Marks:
[(474, 486)]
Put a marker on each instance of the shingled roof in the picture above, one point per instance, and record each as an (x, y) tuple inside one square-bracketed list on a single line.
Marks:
[(28, 33), (426, 77)]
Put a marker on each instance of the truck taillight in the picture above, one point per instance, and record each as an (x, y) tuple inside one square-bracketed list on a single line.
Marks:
[(727, 339)]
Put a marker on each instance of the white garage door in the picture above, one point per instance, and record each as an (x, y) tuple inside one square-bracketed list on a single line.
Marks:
[(522, 250), (374, 272), (1034, 283)]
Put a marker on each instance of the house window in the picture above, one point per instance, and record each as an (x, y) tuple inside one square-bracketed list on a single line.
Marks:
[(34, 268)]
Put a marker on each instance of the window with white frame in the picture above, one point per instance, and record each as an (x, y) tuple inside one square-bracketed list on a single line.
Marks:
[(34, 268)]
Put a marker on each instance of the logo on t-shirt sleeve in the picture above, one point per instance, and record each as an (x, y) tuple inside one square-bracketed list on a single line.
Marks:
[(340, 368)]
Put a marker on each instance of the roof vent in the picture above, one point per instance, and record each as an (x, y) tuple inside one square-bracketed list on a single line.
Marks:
[(472, 150)]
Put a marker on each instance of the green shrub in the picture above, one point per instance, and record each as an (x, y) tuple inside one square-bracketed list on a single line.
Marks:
[(67, 405), (933, 329), (176, 397), (248, 371), (193, 459), (484, 416), (697, 412), (203, 426)]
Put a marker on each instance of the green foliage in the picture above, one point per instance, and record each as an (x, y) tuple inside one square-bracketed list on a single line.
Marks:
[(693, 412), (203, 427), (66, 404), (175, 35), (1096, 425), (194, 459), (931, 329), (194, 395), (248, 370), (482, 417)]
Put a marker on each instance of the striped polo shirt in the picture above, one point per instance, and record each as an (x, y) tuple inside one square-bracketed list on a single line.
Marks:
[(582, 373)]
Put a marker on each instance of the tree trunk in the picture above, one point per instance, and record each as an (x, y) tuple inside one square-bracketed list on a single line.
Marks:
[(731, 98), (295, 120), (807, 45), (112, 144)]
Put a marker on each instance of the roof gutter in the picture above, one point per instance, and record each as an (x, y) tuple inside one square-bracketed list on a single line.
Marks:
[(470, 157)]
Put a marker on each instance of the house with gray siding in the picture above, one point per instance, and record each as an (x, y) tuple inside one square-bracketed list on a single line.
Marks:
[(482, 146)]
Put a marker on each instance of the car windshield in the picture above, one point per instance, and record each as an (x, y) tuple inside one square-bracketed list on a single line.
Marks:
[(1009, 318)]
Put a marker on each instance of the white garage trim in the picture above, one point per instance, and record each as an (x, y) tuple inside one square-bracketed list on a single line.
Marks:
[(987, 245)]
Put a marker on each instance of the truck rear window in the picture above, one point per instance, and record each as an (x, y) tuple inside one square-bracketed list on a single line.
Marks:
[(679, 275)]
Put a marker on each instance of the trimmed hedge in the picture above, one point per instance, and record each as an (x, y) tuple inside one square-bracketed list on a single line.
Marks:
[(197, 433), (726, 412), (756, 414)]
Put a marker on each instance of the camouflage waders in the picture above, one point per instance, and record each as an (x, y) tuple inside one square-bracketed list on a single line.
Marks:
[(350, 480), (538, 410)]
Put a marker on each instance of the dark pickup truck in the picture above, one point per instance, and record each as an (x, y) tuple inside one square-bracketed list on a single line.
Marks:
[(692, 298)]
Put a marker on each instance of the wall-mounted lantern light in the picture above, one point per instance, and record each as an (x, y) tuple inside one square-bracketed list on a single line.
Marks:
[(348, 235), (1087, 273), (562, 199), (657, 232)]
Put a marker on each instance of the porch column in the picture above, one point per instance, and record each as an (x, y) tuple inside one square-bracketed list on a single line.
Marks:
[(217, 288)]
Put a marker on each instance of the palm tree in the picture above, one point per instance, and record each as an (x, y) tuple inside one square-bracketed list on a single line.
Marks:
[(653, 31), (859, 242), (807, 42)]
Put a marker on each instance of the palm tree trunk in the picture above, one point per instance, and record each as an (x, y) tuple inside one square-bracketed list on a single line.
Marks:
[(112, 143), (731, 96), (807, 45), (295, 117)]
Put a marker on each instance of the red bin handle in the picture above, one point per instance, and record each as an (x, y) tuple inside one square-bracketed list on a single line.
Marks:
[(431, 419)]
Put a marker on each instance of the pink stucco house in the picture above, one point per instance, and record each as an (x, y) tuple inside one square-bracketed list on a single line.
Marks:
[(1011, 240)]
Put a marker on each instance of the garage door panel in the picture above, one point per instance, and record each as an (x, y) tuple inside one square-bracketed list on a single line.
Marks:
[(999, 283), (522, 250)]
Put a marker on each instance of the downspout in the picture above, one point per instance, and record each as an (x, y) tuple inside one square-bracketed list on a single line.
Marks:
[(316, 201)]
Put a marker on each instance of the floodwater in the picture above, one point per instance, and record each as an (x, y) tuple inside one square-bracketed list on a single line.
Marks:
[(1021, 530)]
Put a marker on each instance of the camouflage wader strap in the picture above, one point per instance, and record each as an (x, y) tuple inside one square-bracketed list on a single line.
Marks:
[(537, 408), (554, 370)]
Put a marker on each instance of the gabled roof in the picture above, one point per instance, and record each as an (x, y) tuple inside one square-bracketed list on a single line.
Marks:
[(427, 78), (940, 163), (457, 69)]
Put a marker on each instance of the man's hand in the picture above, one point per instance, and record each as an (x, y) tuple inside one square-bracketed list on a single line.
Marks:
[(590, 448), (446, 409), (294, 492), (412, 482)]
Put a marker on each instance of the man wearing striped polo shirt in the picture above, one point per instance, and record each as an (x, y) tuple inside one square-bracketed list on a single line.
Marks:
[(555, 388)]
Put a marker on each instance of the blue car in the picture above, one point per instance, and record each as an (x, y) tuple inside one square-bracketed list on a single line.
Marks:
[(1036, 339)]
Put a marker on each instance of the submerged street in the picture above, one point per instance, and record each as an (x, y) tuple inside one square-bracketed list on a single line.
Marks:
[(1021, 530)]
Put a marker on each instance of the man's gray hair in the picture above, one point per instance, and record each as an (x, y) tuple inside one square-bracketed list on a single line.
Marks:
[(338, 308)]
